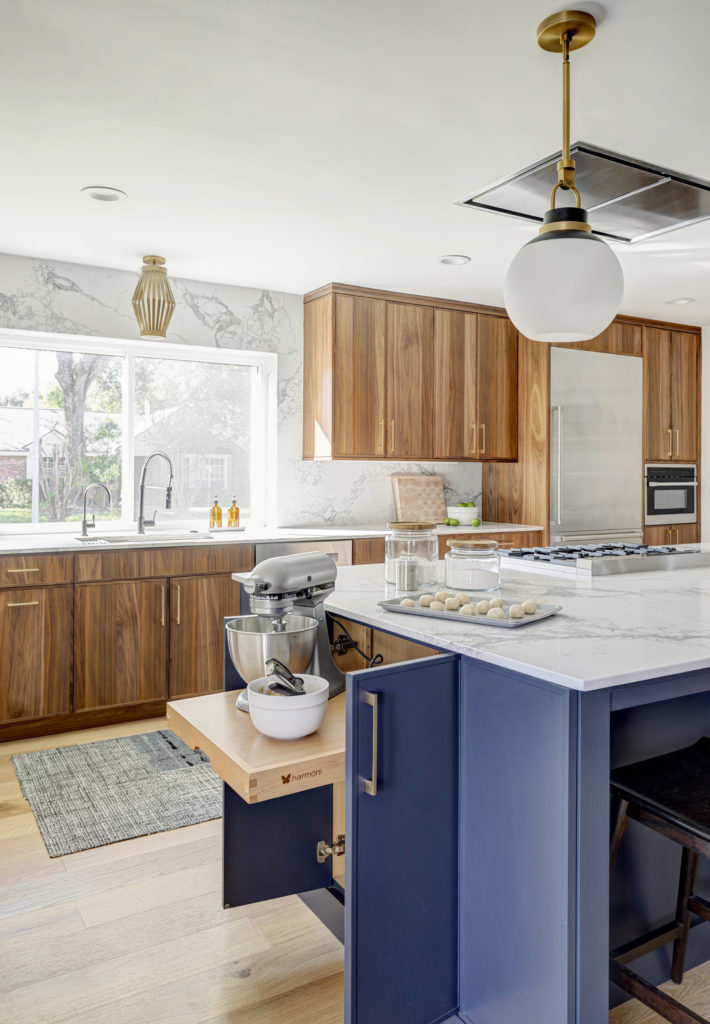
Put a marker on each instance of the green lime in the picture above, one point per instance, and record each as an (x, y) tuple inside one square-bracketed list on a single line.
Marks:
[(476, 522), (454, 522)]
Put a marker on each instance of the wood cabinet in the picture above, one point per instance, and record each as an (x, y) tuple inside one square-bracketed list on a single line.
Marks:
[(35, 570), (198, 605), (389, 376), (683, 533), (530, 539), (120, 643), (671, 404), (35, 652), (368, 551)]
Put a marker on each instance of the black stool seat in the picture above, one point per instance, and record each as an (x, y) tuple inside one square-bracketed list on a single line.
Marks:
[(676, 786), (671, 795)]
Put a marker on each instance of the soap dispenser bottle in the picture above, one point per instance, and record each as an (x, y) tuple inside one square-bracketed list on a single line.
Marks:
[(233, 514), (215, 515)]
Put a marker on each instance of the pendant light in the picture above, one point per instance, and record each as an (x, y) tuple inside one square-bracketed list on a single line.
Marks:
[(566, 284), (153, 300)]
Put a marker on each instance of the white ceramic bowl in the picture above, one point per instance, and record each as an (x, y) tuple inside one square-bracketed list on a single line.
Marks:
[(288, 718), (465, 515)]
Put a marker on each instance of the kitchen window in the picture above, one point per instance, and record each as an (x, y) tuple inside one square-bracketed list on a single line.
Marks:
[(77, 410)]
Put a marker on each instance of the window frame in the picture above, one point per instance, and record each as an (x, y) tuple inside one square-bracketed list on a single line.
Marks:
[(263, 408)]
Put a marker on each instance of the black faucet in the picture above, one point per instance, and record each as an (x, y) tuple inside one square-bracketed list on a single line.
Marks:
[(142, 521)]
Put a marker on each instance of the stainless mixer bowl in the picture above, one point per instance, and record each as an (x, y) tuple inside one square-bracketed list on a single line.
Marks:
[(252, 640)]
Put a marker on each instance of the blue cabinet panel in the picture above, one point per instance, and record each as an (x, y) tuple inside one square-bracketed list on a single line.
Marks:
[(401, 910), (518, 848)]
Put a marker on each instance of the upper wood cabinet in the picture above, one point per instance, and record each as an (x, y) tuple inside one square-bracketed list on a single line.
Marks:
[(390, 376), (671, 380)]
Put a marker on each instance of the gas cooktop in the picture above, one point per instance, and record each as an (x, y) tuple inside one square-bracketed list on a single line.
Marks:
[(607, 559)]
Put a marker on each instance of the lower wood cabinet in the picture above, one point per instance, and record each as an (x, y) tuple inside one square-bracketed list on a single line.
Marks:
[(683, 533), (35, 652), (504, 540), (120, 643), (198, 604), (368, 550)]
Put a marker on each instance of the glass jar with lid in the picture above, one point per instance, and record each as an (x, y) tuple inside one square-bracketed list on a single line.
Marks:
[(472, 565), (411, 555)]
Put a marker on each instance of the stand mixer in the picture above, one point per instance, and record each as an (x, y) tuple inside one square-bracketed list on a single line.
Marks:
[(288, 620)]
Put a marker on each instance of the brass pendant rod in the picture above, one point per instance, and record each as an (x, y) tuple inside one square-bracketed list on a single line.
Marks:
[(565, 95)]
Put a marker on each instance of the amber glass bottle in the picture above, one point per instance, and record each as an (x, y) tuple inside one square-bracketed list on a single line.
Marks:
[(215, 515), (233, 514)]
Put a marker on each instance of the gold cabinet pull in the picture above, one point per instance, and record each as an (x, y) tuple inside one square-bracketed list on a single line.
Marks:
[(474, 435), (371, 783), (9, 571), (392, 436), (677, 442), (382, 436), (22, 604), (178, 604), (162, 605), (483, 439), (670, 443)]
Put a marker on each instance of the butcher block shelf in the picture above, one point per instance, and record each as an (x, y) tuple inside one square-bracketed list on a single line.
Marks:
[(255, 767)]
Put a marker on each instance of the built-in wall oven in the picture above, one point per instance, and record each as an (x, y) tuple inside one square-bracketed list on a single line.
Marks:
[(671, 493)]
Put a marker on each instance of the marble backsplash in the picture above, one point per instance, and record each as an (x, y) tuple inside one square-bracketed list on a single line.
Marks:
[(68, 298)]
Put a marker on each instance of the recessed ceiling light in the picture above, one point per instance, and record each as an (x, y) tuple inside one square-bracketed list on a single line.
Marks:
[(104, 193), (679, 302), (454, 260)]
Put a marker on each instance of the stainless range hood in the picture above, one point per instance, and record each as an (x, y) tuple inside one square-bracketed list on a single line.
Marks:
[(628, 200)]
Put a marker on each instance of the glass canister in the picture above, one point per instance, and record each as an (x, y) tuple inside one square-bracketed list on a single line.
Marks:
[(472, 565), (411, 555)]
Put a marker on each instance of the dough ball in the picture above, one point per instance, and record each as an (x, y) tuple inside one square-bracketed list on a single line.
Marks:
[(516, 611), (452, 604), (496, 602), (425, 600), (468, 609), (442, 595), (407, 602), (529, 607), (482, 607), (463, 599), (437, 606), (496, 613)]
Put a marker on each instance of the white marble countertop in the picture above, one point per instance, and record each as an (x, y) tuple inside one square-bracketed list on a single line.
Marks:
[(612, 630), (28, 543)]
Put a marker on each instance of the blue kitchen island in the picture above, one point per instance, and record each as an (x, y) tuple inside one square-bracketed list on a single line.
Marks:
[(477, 800)]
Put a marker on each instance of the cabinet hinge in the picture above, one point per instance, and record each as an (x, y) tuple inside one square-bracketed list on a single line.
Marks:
[(337, 849)]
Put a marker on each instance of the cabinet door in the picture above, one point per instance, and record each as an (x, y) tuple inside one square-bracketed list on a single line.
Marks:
[(120, 643), (683, 533), (497, 388), (35, 652), (198, 606), (359, 377), (401, 915), (410, 366), (454, 404), (684, 400), (657, 369)]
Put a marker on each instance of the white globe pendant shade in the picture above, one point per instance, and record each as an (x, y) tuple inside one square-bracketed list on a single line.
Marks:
[(563, 286)]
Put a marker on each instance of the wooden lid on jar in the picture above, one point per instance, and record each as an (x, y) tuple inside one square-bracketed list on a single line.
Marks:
[(410, 526)]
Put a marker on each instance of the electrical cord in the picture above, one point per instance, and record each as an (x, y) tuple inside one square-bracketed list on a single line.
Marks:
[(376, 659)]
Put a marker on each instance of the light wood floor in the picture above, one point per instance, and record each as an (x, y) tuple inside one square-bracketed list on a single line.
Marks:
[(135, 933)]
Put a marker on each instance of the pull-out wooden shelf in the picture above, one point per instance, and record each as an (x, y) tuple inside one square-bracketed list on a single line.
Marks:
[(255, 767)]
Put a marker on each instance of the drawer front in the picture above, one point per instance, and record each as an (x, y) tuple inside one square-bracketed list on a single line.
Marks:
[(31, 570), (505, 540), (143, 563), (368, 551)]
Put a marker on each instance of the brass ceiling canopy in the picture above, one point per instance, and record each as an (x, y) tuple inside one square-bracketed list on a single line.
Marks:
[(153, 300), (578, 25)]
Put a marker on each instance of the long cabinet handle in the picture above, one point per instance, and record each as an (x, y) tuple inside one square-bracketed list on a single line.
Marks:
[(371, 783), (392, 437), (670, 443), (9, 571), (474, 436), (558, 410), (677, 442), (178, 604), (22, 604), (483, 439), (382, 436), (162, 605)]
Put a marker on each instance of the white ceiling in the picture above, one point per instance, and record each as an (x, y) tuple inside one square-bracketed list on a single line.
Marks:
[(287, 144)]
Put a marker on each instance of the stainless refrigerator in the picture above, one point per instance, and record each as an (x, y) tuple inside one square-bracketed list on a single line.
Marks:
[(596, 468)]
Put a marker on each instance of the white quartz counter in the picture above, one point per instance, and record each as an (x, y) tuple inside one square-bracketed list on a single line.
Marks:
[(27, 543), (612, 630)]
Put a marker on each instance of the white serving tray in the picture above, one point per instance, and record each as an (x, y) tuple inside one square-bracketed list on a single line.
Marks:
[(544, 611)]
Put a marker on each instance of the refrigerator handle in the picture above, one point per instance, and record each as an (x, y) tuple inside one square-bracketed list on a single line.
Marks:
[(558, 410)]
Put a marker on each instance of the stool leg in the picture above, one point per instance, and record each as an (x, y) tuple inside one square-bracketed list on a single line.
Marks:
[(620, 826), (686, 884)]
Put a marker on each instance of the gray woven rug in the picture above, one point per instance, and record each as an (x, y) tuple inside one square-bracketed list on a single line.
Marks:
[(100, 793)]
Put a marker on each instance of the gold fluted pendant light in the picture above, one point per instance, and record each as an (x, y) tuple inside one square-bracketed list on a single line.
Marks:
[(153, 299)]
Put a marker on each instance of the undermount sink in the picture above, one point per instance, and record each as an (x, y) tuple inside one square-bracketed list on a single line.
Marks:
[(146, 538)]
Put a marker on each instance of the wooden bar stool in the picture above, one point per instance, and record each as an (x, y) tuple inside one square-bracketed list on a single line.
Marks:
[(671, 795)]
